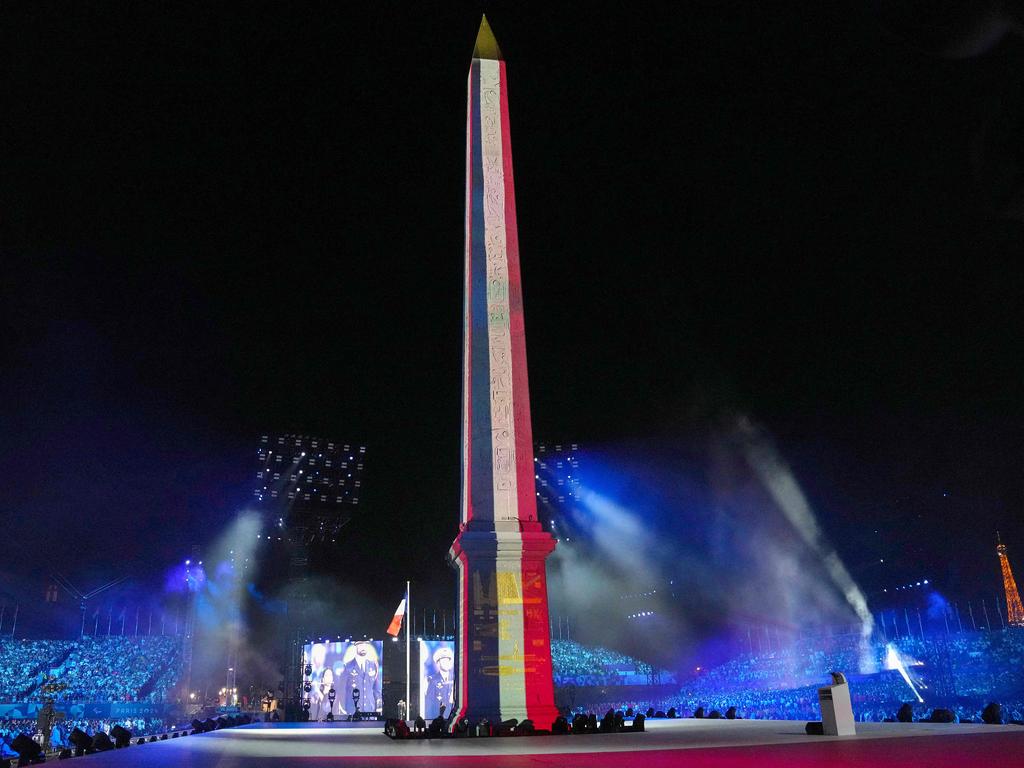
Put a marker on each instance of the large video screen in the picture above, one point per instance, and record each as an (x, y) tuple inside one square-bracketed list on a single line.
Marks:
[(345, 666), (437, 677)]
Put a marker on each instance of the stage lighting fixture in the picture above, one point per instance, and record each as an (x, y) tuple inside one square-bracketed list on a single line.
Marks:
[(152, 739), (122, 736), (28, 750), (64, 754), (174, 735), (81, 741), (142, 740), (101, 742), (209, 725), (163, 737)]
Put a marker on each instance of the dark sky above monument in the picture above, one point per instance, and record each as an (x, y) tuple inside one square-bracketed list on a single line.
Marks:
[(220, 221)]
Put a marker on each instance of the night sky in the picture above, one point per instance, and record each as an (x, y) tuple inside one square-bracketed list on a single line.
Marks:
[(222, 221)]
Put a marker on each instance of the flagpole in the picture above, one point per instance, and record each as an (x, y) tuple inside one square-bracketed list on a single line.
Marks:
[(408, 688)]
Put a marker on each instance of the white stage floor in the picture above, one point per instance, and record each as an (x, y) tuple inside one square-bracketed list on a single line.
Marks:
[(288, 745)]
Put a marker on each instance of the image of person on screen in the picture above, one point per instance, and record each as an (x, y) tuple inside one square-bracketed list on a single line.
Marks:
[(362, 672), (319, 695), (316, 659), (439, 695)]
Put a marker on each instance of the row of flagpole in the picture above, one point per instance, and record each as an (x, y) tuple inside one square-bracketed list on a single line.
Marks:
[(122, 618)]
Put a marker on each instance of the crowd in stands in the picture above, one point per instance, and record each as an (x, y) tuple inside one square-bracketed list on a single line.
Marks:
[(961, 672), (116, 668), (119, 669), (803, 661), (21, 663), (59, 736), (581, 665)]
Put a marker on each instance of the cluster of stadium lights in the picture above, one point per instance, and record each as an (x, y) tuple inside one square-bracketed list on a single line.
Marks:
[(639, 615)]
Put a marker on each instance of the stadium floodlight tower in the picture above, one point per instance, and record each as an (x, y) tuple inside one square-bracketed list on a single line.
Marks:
[(307, 489), (1014, 609), (503, 643)]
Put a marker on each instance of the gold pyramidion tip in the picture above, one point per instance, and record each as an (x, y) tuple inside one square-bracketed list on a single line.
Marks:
[(486, 45)]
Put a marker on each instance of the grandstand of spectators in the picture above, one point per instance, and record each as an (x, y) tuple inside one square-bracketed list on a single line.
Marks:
[(116, 668), (59, 736), (958, 671), (961, 672), (576, 664), (22, 662)]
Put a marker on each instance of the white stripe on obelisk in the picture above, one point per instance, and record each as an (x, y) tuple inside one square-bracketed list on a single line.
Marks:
[(503, 468)]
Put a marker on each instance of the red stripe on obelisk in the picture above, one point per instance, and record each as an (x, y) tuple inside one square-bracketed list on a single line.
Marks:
[(526, 488)]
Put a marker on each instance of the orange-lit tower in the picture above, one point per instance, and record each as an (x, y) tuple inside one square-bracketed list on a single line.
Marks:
[(1014, 609)]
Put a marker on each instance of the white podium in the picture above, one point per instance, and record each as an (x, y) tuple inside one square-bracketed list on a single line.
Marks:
[(836, 708)]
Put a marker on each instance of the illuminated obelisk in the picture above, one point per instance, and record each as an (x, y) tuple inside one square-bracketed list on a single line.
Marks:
[(503, 644)]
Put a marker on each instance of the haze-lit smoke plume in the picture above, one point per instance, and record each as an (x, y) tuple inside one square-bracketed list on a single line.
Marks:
[(714, 545), (220, 599), (238, 623), (779, 482)]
